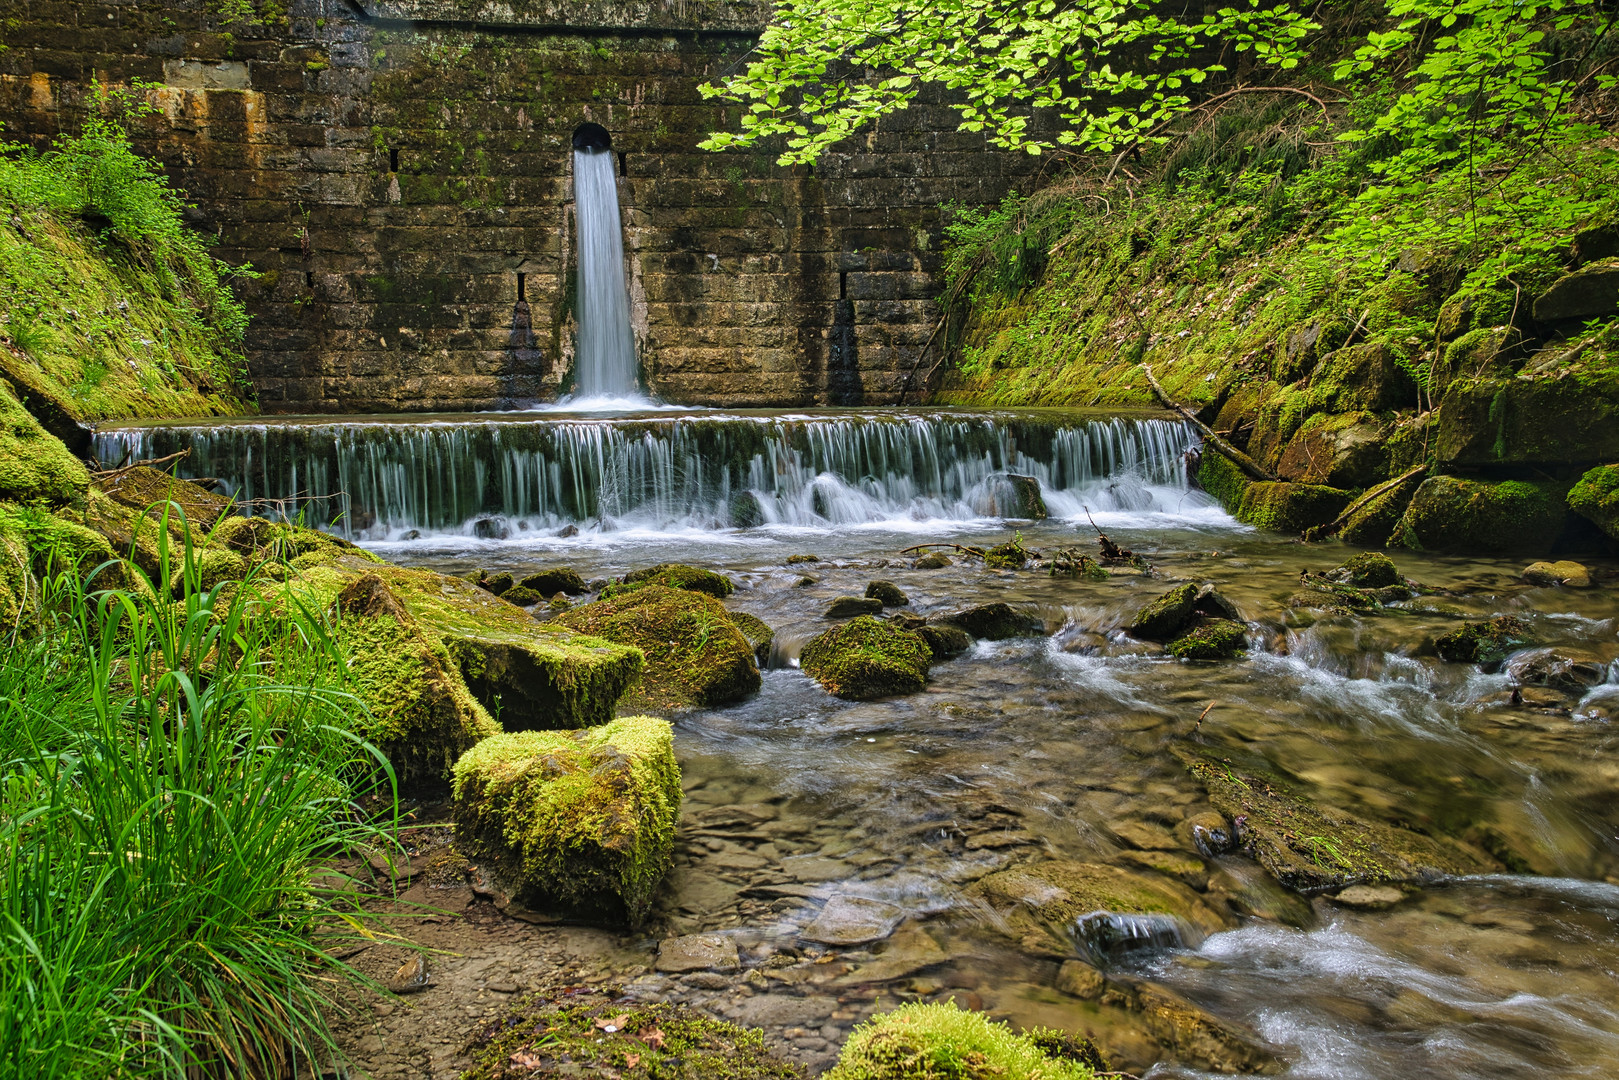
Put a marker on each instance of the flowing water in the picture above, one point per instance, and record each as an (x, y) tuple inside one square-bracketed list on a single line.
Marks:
[(604, 359), (1057, 745)]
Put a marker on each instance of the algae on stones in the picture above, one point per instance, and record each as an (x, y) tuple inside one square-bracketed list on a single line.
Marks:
[(1485, 642), (1164, 617), (868, 658), (938, 1041), (584, 819), (681, 576), (695, 655), (1211, 639)]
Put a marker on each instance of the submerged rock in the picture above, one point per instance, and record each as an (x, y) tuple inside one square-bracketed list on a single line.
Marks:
[(1562, 668), (1451, 514), (1486, 642), (1313, 848), (995, 622), (847, 607), (1552, 574), (1211, 639), (933, 561), (1164, 618), (681, 576), (1596, 498), (584, 819), (944, 640), (905, 1044), (868, 658), (1043, 901), (556, 579), (887, 593), (695, 654), (853, 920), (697, 952)]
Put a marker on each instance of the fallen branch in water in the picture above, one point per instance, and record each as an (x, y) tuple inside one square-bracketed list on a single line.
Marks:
[(1355, 507), (1210, 436), (959, 547), (111, 474), (1111, 552)]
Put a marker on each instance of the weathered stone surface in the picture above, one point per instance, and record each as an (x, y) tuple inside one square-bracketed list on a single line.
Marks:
[(1289, 508), (1361, 377), (1552, 415), (1564, 572), (1341, 451), (1166, 616), (1588, 293), (847, 607), (853, 920), (697, 952), (887, 593), (563, 579), (995, 622)]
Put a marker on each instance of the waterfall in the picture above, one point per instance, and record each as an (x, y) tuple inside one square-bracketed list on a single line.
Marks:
[(604, 359), (383, 479)]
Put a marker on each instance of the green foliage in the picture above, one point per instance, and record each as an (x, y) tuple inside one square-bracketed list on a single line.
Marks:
[(938, 1041), (171, 776), (97, 177)]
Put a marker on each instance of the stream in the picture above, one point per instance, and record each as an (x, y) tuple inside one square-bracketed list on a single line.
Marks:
[(1056, 745)]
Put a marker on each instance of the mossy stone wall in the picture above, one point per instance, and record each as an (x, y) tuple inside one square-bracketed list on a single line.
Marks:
[(396, 167)]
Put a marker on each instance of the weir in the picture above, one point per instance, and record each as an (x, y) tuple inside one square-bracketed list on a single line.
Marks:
[(502, 475)]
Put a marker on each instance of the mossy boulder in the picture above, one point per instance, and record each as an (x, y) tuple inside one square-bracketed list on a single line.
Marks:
[(1210, 639), (557, 579), (36, 469), (19, 592), (582, 819), (1361, 378), (1549, 415), (681, 576), (419, 711), (1289, 508), (695, 655), (1563, 572), (1486, 642), (759, 635), (54, 542), (938, 1041), (594, 1034), (146, 489), (868, 658), (522, 596), (1011, 555), (1368, 570), (263, 541), (1219, 476), (1450, 514), (1346, 450), (1310, 847), (847, 607), (534, 675), (889, 594), (1372, 522), (1164, 618), (1596, 497), (945, 640), (995, 622)]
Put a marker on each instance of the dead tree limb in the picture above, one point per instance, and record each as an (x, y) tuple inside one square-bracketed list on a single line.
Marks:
[(113, 474), (1210, 436), (1366, 498)]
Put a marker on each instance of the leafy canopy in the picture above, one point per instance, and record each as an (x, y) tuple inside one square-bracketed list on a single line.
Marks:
[(1098, 76)]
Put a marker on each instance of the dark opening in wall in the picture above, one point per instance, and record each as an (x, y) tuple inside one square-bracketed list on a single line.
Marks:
[(594, 137), (809, 170), (623, 167), (843, 285), (309, 278), (393, 159), (522, 287)]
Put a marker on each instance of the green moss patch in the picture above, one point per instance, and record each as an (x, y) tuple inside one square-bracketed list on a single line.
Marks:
[(1312, 848), (565, 1035), (1211, 639), (584, 819), (1289, 508), (1596, 497), (758, 634), (938, 1041), (143, 488), (1455, 515), (1486, 642), (35, 467), (1164, 617), (681, 576), (868, 658), (557, 579), (695, 655)]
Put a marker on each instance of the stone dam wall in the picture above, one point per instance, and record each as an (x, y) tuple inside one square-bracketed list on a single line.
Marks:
[(399, 172)]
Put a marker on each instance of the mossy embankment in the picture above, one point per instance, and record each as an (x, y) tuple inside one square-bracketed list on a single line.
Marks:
[(1340, 330)]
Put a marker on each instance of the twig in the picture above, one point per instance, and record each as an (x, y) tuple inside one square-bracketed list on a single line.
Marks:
[(1201, 715), (959, 547), (111, 474), (1231, 453), (1366, 498)]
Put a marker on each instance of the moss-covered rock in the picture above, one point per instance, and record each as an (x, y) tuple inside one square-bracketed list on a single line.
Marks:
[(1368, 570), (1596, 497), (1486, 642), (995, 622), (1289, 508), (889, 594), (868, 658), (1312, 848), (1563, 413), (584, 819), (1361, 378), (1011, 555), (945, 640), (419, 712), (695, 655), (938, 1041), (19, 592), (758, 633), (1164, 617), (522, 596), (1563, 572), (1450, 514), (263, 541), (147, 489), (592, 1034), (847, 607), (1219, 476), (1210, 639), (933, 560), (1347, 450), (534, 675), (681, 576), (1373, 522), (557, 579), (36, 469), (54, 542)]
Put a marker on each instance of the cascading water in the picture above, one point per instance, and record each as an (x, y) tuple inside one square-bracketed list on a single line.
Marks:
[(604, 359), (385, 480)]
